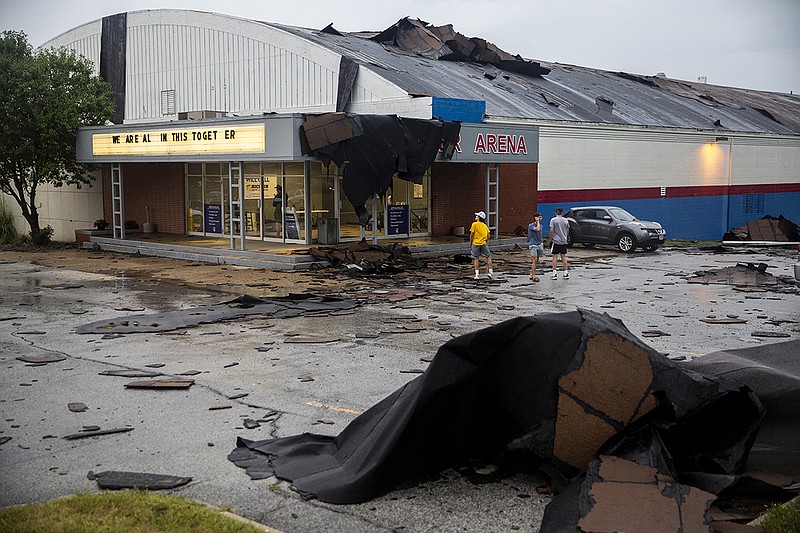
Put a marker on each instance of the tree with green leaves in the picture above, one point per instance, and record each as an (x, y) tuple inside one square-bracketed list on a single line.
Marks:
[(45, 95)]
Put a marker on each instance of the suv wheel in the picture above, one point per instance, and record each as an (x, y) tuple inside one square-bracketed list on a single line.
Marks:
[(626, 242)]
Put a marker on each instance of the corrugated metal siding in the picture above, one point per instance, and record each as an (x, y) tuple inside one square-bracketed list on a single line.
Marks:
[(87, 46), (218, 70)]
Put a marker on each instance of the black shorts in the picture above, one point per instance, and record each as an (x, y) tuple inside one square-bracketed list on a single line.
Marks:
[(559, 249)]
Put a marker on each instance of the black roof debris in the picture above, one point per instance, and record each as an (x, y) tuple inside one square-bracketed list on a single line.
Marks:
[(115, 480), (375, 148), (606, 417), (766, 229), (229, 309)]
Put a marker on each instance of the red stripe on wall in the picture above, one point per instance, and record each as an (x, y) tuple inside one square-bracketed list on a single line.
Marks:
[(639, 193)]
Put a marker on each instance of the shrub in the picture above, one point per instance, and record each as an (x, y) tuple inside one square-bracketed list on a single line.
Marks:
[(43, 237), (7, 231)]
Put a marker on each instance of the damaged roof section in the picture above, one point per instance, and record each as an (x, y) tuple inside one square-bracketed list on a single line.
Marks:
[(446, 44), (375, 148), (421, 59)]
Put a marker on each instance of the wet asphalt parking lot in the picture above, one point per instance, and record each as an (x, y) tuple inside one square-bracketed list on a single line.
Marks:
[(249, 373)]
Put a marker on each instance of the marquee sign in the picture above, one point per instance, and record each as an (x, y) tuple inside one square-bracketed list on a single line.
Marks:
[(229, 139)]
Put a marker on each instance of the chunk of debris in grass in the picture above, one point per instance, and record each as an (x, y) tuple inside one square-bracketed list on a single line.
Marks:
[(115, 480)]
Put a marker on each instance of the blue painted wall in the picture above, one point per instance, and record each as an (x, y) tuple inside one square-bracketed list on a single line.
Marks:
[(457, 110), (698, 218)]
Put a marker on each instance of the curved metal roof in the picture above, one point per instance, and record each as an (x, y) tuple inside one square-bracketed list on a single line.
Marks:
[(568, 92)]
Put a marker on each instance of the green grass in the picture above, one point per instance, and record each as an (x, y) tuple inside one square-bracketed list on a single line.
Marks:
[(130, 511), (782, 518)]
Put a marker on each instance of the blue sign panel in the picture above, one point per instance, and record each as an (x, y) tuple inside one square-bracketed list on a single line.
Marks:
[(398, 220), (213, 218)]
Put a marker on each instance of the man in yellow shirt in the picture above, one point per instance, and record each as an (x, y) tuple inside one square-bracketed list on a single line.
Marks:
[(478, 235)]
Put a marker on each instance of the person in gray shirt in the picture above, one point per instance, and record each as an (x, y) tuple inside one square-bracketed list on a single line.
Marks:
[(559, 233)]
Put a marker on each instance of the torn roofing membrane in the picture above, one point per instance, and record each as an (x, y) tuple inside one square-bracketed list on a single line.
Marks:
[(238, 307), (557, 390), (371, 149)]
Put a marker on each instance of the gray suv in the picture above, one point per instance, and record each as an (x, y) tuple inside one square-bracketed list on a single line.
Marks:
[(603, 224)]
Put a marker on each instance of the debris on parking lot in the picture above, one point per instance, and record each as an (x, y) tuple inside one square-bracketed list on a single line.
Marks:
[(711, 320), (775, 334), (745, 276), (169, 383), (310, 339), (654, 333), (130, 373), (116, 480), (96, 433), (363, 259), (77, 407), (608, 419), (229, 309), (38, 360), (765, 230)]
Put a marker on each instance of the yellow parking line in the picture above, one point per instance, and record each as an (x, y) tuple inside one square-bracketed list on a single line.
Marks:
[(333, 408)]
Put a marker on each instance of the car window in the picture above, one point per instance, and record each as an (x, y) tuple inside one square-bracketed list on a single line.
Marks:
[(621, 214)]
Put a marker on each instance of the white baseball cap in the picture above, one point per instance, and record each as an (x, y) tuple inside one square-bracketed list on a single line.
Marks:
[(480, 214)]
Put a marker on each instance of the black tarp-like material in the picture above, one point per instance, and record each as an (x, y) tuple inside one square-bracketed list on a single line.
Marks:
[(372, 148), (554, 391), (230, 309)]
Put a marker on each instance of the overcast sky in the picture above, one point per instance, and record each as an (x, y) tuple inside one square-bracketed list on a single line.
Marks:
[(753, 44)]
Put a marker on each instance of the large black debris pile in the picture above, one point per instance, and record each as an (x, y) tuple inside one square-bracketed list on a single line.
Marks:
[(767, 229), (360, 258), (580, 398)]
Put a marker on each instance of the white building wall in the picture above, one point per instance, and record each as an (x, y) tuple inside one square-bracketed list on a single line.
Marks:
[(374, 95), (222, 63), (64, 209), (597, 157), (765, 160)]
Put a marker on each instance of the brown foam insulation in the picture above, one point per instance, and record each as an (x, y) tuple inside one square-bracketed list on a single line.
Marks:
[(623, 482), (613, 383), (578, 433)]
